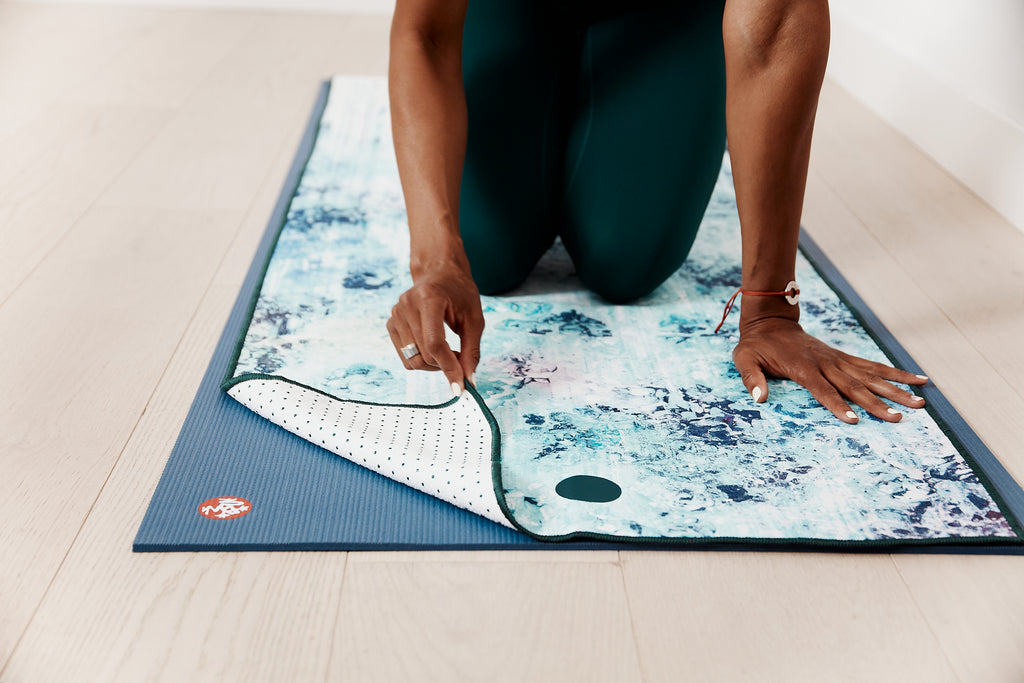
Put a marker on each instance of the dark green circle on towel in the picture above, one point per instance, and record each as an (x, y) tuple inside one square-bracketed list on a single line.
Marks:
[(588, 489)]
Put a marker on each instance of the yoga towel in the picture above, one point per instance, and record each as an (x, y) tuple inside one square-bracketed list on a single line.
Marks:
[(589, 420)]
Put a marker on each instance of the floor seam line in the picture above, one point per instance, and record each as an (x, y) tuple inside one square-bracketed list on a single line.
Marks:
[(629, 613), (924, 617), (337, 618)]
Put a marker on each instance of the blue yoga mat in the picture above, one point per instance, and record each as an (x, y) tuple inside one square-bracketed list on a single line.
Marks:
[(236, 481)]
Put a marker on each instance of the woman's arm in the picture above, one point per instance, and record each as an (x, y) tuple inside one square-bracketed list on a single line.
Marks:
[(775, 56), (428, 119)]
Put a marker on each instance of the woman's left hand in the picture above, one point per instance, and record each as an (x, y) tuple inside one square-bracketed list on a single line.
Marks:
[(779, 347)]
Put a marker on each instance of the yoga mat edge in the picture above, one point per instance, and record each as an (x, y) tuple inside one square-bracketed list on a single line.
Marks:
[(1004, 490)]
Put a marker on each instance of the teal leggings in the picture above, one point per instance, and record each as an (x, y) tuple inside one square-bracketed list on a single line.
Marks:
[(602, 125)]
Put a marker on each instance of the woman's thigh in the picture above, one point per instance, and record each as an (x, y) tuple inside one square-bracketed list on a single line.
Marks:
[(645, 145), (520, 58)]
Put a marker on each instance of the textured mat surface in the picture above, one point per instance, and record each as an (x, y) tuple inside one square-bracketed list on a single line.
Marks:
[(642, 396)]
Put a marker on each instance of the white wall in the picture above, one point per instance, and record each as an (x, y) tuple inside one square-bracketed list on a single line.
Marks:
[(949, 74)]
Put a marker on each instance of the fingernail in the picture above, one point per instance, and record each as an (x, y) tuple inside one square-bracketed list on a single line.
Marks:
[(924, 377), (893, 411), (472, 378), (850, 414), (756, 393), (456, 389)]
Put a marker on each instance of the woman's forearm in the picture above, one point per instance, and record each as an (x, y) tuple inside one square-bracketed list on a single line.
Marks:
[(428, 119), (775, 60)]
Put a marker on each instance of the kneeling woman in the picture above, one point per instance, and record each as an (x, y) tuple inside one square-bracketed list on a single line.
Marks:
[(517, 121)]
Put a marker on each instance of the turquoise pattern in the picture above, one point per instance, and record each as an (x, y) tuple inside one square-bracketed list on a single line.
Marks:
[(643, 395)]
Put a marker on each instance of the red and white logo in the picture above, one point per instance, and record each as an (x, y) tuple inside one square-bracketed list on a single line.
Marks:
[(225, 507)]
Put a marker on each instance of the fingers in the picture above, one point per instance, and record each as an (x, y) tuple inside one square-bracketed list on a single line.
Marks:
[(432, 354), (420, 317), (434, 348), (882, 388), (404, 328), (833, 389), (827, 395), (401, 336), (469, 356), (876, 378), (752, 375), (834, 385), (836, 379), (860, 393), (864, 383), (886, 371)]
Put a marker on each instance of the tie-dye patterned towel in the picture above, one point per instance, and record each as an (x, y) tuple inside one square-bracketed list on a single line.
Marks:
[(589, 420)]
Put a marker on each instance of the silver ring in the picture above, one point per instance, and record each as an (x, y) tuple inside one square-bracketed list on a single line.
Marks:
[(409, 351)]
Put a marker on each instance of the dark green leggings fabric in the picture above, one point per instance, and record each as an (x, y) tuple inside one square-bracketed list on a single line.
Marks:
[(603, 125)]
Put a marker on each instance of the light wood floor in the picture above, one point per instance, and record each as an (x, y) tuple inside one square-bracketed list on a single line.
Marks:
[(141, 151)]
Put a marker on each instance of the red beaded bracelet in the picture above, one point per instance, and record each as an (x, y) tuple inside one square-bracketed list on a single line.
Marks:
[(791, 292)]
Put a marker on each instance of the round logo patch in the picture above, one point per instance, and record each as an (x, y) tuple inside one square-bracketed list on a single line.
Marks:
[(225, 507)]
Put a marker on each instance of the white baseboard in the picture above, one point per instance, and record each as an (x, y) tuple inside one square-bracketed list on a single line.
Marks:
[(982, 149)]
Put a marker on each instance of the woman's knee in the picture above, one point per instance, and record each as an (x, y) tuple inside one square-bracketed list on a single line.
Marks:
[(617, 287), (496, 274), (502, 250), (636, 262)]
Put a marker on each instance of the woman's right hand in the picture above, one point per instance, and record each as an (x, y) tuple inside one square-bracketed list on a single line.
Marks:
[(428, 123), (439, 296)]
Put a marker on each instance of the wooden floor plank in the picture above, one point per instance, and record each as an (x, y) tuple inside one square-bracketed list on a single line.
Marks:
[(212, 155), (92, 330), (975, 606), (467, 621), (488, 556), (170, 617), (89, 87), (165, 61), (777, 617), (967, 257), (120, 616), (47, 50), (136, 646), (54, 170), (136, 271)]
